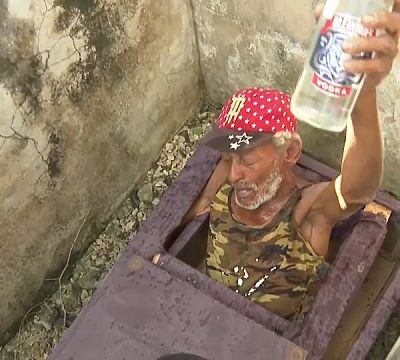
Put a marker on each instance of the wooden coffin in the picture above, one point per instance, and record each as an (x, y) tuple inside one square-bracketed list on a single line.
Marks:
[(143, 313), (357, 242), (155, 302)]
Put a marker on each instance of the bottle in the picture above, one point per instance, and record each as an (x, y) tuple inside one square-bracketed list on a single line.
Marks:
[(325, 94)]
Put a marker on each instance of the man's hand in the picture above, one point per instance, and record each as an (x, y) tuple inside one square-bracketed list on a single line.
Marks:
[(384, 46)]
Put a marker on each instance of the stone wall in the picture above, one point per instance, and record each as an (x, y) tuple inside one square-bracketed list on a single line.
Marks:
[(90, 91), (264, 43)]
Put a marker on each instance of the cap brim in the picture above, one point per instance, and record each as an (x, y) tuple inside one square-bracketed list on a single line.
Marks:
[(226, 140)]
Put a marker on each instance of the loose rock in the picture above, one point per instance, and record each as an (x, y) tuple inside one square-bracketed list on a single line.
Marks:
[(145, 194)]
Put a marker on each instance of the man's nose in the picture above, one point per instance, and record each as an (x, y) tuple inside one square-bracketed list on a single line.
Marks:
[(235, 173)]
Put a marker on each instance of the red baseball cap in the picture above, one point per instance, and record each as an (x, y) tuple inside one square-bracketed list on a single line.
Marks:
[(249, 118)]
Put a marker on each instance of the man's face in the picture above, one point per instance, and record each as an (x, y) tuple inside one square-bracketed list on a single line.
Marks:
[(255, 175)]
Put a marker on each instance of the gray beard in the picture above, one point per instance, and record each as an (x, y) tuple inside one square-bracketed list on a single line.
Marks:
[(265, 192)]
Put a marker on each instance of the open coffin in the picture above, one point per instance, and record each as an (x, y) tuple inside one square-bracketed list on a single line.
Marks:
[(155, 302)]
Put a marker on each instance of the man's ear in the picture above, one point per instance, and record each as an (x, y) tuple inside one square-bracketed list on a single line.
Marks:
[(293, 151)]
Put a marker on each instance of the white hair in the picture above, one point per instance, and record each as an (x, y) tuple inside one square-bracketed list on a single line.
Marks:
[(282, 139)]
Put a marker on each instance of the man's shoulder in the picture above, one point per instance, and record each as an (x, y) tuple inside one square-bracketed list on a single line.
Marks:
[(312, 190), (309, 194), (216, 181)]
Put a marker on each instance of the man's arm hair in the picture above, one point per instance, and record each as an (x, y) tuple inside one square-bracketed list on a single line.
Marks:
[(202, 204), (362, 165)]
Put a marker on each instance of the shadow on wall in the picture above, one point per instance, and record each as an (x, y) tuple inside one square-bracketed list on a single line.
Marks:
[(25, 67)]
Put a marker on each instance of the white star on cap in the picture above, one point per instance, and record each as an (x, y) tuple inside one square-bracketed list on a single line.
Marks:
[(240, 117), (231, 137), (235, 146), (262, 107), (248, 110), (244, 138), (269, 111), (246, 121)]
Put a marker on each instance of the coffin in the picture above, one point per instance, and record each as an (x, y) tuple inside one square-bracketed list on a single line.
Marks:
[(156, 303)]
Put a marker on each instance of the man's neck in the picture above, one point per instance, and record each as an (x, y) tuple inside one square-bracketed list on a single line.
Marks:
[(266, 212)]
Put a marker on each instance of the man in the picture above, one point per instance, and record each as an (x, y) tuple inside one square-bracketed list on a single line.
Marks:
[(269, 230)]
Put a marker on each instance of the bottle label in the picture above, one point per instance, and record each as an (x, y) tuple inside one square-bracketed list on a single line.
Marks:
[(328, 58)]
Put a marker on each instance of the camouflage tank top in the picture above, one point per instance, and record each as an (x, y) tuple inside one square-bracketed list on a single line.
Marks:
[(273, 265)]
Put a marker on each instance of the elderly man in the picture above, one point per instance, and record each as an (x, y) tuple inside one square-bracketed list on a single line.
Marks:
[(269, 230)]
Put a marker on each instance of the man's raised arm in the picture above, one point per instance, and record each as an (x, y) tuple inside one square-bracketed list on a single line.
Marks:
[(362, 165)]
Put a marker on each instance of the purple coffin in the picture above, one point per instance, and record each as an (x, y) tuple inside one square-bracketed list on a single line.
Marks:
[(171, 307), (146, 313)]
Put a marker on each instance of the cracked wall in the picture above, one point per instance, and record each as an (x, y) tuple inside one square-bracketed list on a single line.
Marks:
[(90, 90), (259, 43)]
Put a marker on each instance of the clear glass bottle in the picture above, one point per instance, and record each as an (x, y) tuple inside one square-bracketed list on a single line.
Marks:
[(325, 94)]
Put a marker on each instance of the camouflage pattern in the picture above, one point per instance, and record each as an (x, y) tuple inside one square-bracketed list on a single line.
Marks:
[(273, 266)]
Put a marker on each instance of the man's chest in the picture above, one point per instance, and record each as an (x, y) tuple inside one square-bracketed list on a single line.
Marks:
[(312, 226)]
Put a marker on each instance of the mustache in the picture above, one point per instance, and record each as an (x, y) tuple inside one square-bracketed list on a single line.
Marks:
[(245, 186)]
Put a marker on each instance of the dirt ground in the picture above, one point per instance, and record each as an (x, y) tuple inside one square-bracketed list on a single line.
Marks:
[(44, 325)]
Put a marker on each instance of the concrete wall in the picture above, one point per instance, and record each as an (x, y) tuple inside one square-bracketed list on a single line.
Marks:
[(89, 93), (263, 43)]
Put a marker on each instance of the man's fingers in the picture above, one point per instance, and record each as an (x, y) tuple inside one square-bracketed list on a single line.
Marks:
[(396, 5), (372, 66), (383, 20), (318, 11), (380, 44)]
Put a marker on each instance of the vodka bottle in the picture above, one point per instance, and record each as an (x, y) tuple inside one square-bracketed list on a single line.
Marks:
[(326, 93)]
